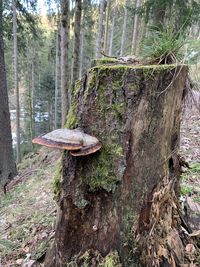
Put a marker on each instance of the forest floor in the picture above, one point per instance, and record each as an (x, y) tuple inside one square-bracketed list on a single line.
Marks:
[(27, 211)]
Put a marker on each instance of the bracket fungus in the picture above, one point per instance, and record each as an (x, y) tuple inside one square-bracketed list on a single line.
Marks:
[(79, 143)]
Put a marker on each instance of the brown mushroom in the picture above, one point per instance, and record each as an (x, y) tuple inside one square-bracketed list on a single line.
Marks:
[(73, 140)]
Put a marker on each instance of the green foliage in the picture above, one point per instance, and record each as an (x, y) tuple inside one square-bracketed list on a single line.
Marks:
[(182, 13), (195, 168), (163, 45), (186, 190), (9, 245)]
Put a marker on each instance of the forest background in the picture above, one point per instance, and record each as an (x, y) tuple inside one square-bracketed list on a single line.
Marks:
[(144, 28)]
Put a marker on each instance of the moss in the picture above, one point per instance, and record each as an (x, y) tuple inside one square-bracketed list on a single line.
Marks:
[(104, 60), (77, 87), (143, 67), (72, 117), (102, 169), (94, 258), (57, 180), (111, 260)]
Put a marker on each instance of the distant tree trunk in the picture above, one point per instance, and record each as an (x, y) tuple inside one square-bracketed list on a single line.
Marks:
[(135, 39), (81, 54), (15, 55), (124, 28), (100, 31), (57, 78), (128, 190), (7, 164), (33, 113), (112, 31), (77, 42), (30, 109), (64, 58), (105, 46)]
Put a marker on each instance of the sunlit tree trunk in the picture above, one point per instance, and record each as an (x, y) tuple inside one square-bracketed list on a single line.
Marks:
[(64, 57), (124, 28), (99, 40), (15, 55), (7, 164), (77, 42)]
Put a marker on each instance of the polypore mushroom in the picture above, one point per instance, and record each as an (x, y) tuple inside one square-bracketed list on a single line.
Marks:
[(79, 143)]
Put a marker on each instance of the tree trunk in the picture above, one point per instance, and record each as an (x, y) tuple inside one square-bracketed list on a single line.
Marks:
[(16, 81), (105, 46), (7, 164), (135, 39), (57, 72), (112, 30), (124, 28), (64, 57), (77, 42), (33, 113), (108, 200), (100, 31)]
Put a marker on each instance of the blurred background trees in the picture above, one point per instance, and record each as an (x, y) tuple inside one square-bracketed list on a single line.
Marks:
[(54, 49)]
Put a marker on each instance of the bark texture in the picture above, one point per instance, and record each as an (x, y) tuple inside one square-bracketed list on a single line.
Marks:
[(106, 201), (7, 164)]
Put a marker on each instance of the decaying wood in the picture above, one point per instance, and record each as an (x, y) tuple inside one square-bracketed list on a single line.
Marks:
[(123, 200)]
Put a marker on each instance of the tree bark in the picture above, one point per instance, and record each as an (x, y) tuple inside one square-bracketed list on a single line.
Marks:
[(7, 164), (124, 29), (64, 57), (77, 42), (109, 199), (16, 86), (100, 31)]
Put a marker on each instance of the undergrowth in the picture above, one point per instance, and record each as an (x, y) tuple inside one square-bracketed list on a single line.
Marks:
[(27, 211)]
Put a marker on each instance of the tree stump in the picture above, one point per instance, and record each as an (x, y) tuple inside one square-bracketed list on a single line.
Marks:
[(119, 206)]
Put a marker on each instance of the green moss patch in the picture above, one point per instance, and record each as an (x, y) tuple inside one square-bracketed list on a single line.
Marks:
[(57, 179), (102, 168), (94, 258)]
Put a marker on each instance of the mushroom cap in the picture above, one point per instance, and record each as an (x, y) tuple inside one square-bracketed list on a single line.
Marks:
[(70, 140), (41, 140), (87, 150)]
